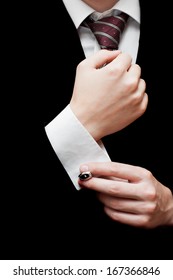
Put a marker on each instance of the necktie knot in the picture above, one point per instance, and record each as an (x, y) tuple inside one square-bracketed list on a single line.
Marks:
[(108, 30)]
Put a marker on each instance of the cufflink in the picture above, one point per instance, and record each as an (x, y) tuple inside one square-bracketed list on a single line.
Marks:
[(84, 176)]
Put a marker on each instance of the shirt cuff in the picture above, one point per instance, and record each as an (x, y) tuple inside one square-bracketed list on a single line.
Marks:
[(73, 144)]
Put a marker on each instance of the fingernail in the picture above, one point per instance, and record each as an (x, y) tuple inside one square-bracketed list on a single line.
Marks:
[(84, 168)]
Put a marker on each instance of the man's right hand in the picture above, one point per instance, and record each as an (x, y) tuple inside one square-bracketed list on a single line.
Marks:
[(109, 93)]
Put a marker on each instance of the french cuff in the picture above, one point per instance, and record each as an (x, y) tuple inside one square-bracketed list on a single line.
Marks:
[(73, 144)]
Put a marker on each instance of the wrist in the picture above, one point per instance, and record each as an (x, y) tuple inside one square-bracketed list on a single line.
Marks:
[(88, 120)]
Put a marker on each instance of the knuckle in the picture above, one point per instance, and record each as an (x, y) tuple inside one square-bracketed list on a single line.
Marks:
[(113, 191), (144, 221), (149, 191), (143, 83), (112, 204), (131, 84), (143, 106), (146, 173), (150, 194), (138, 94), (138, 91), (127, 56), (137, 67), (115, 70), (136, 99), (151, 208), (112, 168), (115, 204)]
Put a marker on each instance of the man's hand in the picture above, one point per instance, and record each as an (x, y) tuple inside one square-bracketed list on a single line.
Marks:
[(130, 194), (108, 93)]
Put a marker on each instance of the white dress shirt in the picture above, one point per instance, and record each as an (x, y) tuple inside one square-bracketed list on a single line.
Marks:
[(70, 140)]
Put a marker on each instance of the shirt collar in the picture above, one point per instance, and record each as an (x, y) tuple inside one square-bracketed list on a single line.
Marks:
[(78, 10)]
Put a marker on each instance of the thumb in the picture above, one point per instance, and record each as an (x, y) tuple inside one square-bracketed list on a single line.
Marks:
[(102, 58)]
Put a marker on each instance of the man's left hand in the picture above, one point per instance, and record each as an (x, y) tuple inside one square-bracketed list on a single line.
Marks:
[(130, 194)]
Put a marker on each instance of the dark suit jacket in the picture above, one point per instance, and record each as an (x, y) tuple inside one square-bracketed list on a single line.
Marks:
[(43, 216)]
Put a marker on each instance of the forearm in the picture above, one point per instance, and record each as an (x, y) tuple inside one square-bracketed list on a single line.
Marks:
[(73, 144)]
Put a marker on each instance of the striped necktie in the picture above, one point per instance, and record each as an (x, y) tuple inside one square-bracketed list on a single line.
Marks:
[(108, 30)]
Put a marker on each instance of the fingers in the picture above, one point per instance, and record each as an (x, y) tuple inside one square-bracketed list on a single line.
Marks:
[(135, 71), (139, 95), (126, 205), (127, 218), (113, 188), (130, 183), (116, 169), (144, 103), (122, 62), (112, 59), (101, 58), (142, 85)]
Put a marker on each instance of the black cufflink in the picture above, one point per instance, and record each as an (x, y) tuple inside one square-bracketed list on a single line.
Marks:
[(84, 176)]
